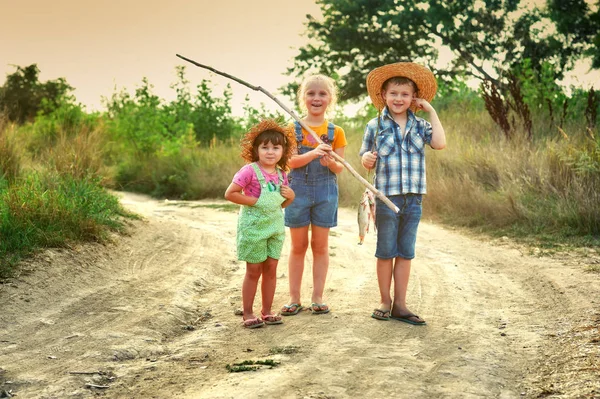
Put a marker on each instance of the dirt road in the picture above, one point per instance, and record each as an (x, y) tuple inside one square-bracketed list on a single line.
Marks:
[(152, 316)]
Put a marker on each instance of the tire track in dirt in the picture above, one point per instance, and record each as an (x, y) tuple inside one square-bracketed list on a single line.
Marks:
[(128, 309)]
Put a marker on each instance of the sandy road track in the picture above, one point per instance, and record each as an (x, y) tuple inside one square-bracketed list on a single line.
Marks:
[(152, 316)]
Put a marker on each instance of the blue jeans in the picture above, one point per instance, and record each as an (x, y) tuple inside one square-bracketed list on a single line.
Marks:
[(397, 232)]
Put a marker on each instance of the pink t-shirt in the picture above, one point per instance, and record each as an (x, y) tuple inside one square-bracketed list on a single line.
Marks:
[(246, 178)]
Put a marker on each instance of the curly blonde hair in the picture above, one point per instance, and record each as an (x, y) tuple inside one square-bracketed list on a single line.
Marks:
[(268, 130), (329, 84)]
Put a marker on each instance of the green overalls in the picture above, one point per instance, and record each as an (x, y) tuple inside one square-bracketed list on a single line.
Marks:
[(261, 231)]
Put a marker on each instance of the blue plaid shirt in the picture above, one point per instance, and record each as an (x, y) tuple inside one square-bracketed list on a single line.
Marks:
[(400, 166)]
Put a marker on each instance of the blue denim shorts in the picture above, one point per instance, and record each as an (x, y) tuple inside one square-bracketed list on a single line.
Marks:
[(315, 203), (397, 232)]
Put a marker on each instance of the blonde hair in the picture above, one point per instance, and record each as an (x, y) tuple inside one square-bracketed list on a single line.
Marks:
[(329, 84)]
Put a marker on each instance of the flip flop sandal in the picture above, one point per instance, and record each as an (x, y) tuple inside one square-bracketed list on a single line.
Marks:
[(407, 319), (319, 307), (271, 319), (383, 314), (253, 323), (286, 309)]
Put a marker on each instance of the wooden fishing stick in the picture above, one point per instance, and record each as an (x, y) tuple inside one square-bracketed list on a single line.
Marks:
[(365, 183)]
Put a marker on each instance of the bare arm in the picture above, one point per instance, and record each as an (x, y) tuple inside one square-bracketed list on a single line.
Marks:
[(235, 195), (438, 136)]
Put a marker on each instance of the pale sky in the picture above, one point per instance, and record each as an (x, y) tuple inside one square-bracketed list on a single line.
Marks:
[(100, 45)]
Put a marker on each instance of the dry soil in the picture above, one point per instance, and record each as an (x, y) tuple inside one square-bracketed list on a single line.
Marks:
[(153, 315)]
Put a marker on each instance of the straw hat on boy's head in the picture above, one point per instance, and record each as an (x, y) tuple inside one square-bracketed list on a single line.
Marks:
[(419, 74), (263, 126)]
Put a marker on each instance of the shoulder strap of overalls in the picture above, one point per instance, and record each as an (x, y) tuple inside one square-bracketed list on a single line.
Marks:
[(259, 175), (279, 176), (330, 132), (298, 129)]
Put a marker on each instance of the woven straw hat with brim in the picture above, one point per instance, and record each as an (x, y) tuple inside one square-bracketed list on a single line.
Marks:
[(264, 125), (419, 74)]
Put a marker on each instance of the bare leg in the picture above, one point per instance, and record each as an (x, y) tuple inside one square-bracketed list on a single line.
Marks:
[(319, 244), (401, 276), (299, 246), (253, 272), (384, 278), (268, 284)]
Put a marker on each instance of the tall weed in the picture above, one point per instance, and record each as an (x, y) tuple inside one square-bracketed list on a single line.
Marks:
[(10, 155), (547, 187)]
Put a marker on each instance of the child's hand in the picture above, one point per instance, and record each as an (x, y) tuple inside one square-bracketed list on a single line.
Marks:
[(423, 104), (287, 193), (369, 158), (322, 149), (326, 160)]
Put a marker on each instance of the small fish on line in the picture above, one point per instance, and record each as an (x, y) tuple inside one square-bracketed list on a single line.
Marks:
[(366, 213)]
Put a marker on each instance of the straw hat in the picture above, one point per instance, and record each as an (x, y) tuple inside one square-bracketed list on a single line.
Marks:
[(419, 74), (264, 125)]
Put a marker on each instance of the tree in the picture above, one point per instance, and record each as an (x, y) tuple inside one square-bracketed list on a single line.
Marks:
[(23, 95), (486, 39), (579, 25)]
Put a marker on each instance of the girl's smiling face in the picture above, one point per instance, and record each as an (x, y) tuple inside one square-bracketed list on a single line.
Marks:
[(317, 98)]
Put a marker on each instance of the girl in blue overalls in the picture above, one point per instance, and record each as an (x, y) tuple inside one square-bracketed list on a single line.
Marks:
[(314, 181)]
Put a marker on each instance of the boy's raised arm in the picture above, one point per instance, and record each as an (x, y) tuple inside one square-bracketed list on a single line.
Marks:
[(438, 135)]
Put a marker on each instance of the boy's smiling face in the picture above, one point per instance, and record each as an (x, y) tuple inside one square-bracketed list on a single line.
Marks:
[(398, 97)]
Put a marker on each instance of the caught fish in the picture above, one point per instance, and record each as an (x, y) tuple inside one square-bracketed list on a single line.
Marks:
[(366, 213)]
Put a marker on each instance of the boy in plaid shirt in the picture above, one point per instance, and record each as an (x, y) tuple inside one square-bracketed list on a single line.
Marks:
[(394, 144)]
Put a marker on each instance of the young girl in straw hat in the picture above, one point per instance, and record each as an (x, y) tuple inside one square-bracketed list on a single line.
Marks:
[(394, 144), (314, 180), (261, 187)]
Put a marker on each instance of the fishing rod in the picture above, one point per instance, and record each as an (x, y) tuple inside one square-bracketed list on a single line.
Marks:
[(354, 173)]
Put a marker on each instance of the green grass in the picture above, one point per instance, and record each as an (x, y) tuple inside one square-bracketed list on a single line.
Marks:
[(42, 211), (593, 268), (288, 350), (251, 365)]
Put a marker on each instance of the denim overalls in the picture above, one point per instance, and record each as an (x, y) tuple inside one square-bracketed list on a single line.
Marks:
[(315, 187)]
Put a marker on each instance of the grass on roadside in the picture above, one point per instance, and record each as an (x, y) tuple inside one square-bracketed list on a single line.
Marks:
[(53, 210)]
